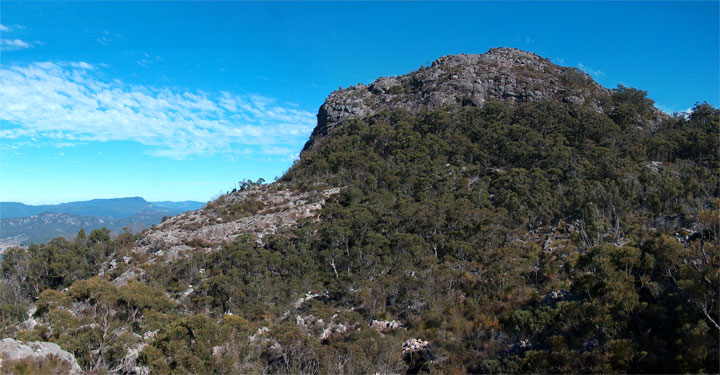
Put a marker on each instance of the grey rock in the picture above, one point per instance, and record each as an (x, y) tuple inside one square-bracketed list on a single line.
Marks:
[(132, 274), (414, 345), (384, 326), (130, 364), (12, 350), (205, 230), (334, 328), (555, 296), (507, 74)]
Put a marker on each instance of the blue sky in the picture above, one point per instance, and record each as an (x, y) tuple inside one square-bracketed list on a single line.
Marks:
[(180, 100)]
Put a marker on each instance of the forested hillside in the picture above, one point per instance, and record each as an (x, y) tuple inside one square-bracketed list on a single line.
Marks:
[(541, 236)]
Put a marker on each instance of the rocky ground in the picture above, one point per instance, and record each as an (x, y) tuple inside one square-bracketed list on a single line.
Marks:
[(259, 210)]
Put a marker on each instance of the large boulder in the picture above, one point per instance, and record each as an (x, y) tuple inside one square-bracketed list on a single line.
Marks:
[(36, 357)]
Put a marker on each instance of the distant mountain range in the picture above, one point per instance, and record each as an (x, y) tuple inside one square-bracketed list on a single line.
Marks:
[(24, 224)]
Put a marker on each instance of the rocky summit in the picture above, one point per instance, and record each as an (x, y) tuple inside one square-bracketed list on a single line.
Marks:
[(508, 74)]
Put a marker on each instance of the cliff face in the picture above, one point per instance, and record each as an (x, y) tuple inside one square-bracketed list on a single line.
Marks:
[(507, 74)]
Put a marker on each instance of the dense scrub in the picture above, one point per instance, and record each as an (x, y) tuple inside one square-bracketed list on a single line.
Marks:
[(541, 238), (454, 196)]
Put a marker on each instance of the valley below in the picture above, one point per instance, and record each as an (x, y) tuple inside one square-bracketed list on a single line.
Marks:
[(22, 224)]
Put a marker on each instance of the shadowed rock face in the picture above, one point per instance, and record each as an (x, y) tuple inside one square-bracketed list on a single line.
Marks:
[(507, 74)]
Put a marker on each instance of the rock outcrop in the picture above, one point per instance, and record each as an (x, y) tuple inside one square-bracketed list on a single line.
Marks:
[(260, 210), (36, 356), (417, 354), (414, 345), (507, 74), (384, 326)]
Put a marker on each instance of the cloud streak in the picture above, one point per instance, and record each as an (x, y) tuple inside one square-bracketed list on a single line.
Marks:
[(68, 102), (14, 44)]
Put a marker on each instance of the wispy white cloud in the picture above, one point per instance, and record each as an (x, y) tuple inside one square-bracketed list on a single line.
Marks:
[(81, 65), (14, 44), (9, 28), (69, 102), (148, 60), (64, 144), (15, 133), (525, 39), (107, 38), (595, 73)]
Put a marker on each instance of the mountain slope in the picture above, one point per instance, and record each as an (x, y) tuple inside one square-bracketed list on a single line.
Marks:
[(469, 223), (515, 236)]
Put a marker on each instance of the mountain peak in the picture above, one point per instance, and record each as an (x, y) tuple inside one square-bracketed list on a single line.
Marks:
[(498, 54), (467, 80)]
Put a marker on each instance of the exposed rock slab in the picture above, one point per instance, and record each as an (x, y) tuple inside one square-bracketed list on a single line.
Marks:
[(37, 351), (217, 224)]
